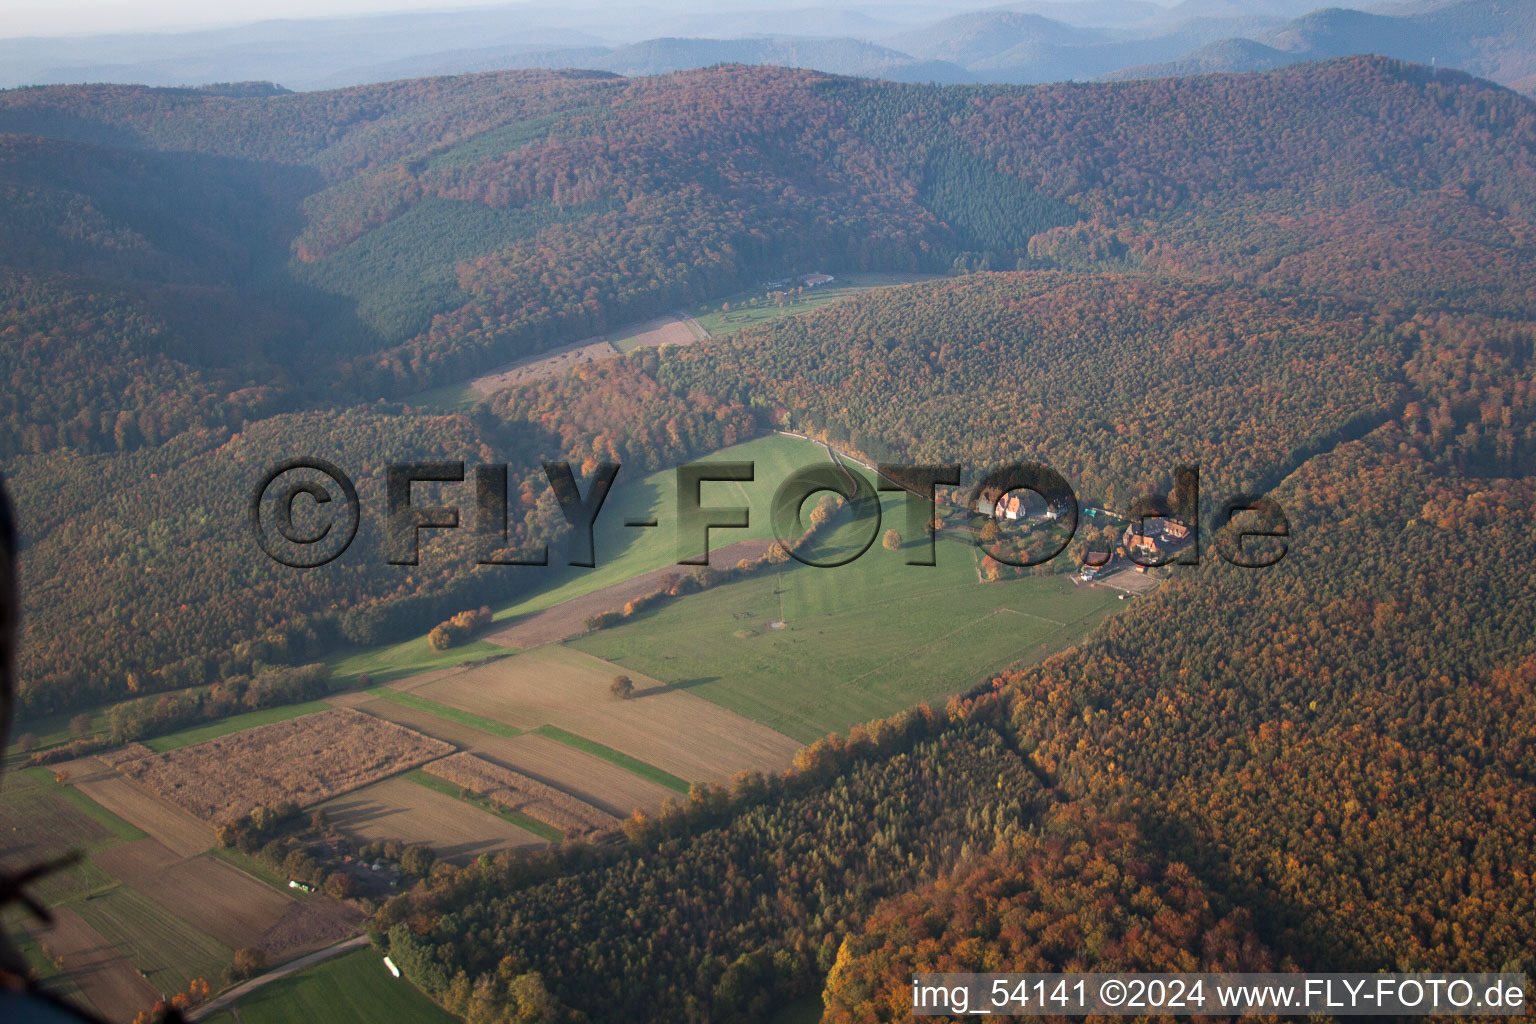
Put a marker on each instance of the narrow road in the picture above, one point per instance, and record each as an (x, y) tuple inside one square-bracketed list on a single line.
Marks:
[(224, 1001), (699, 330)]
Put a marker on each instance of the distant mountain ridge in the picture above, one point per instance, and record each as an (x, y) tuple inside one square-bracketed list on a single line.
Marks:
[(1022, 43), (1494, 39)]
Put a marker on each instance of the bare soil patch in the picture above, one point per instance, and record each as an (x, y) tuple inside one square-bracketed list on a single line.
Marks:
[(84, 769), (569, 618), (146, 810), (663, 330), (305, 760), (106, 978), (465, 737), (410, 812), (139, 860), (205, 892), (590, 778), (547, 364), (307, 925)]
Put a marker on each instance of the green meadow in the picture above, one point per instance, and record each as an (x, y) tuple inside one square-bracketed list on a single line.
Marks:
[(622, 552), (741, 316), (351, 989), (859, 641)]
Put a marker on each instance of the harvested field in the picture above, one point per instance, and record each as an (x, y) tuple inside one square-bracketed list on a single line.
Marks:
[(663, 330), (587, 778), (127, 752), (37, 825), (84, 769), (102, 972), (661, 725), (465, 737), (40, 821), (304, 760), (518, 792), (207, 893), (171, 825), (307, 925), (136, 861), (583, 775), (401, 809), (569, 618), (169, 951), (548, 364)]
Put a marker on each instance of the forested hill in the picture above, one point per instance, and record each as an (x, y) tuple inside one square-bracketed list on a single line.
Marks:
[(249, 253), (1317, 282), (192, 275)]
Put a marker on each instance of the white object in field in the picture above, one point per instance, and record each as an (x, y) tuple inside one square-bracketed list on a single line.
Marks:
[(392, 968)]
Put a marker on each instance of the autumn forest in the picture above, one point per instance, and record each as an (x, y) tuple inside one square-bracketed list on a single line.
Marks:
[(1316, 283)]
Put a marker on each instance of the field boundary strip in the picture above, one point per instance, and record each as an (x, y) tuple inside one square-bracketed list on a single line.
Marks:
[(623, 760), (256, 869), (539, 828), (119, 827), (452, 714)]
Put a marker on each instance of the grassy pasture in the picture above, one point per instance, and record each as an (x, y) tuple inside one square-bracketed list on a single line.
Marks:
[(458, 397), (625, 552), (351, 989), (40, 821), (622, 552), (408, 658)]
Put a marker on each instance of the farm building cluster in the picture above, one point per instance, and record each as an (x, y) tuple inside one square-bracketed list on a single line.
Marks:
[(815, 280), (1143, 544), (1146, 544)]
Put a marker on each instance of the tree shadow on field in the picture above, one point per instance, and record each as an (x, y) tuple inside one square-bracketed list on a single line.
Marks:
[(681, 684)]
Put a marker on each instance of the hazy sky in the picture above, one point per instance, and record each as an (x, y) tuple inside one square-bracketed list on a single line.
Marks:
[(83, 17)]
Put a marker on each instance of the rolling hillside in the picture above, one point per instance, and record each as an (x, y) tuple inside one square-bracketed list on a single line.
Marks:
[(389, 238), (1315, 281)]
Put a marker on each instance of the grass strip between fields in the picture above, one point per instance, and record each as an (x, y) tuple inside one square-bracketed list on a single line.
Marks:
[(432, 707), (256, 869), (541, 829), (630, 764)]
